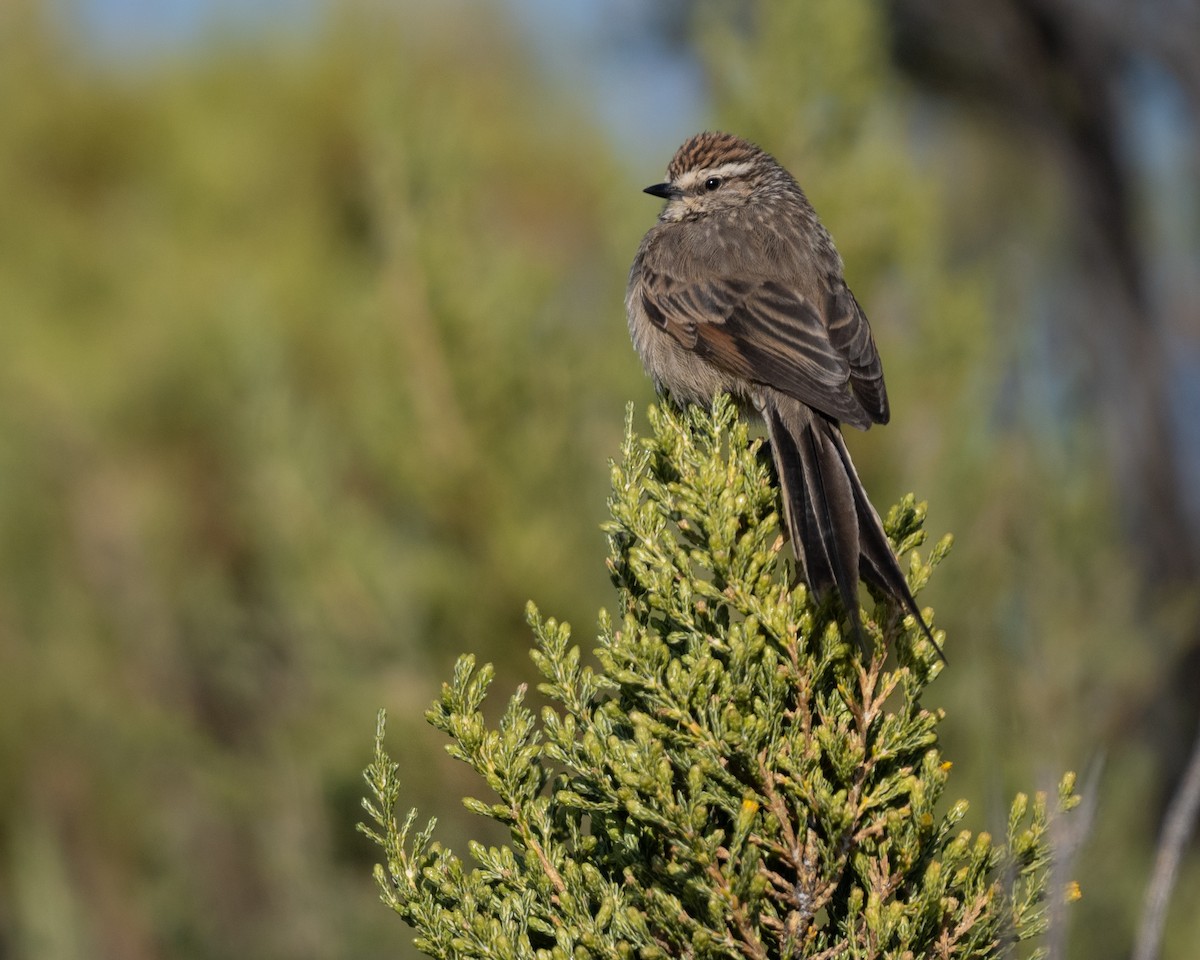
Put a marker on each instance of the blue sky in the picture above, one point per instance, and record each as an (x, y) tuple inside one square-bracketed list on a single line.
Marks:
[(649, 96)]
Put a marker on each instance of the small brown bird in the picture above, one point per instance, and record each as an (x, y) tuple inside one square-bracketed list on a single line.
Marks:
[(738, 289)]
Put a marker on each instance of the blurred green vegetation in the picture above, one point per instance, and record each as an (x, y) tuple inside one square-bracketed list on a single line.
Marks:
[(312, 360), (312, 356)]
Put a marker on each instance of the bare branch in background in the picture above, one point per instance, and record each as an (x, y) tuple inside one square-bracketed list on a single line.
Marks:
[(1178, 828)]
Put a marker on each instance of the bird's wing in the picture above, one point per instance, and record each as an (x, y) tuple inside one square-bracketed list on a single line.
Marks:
[(765, 331), (850, 335)]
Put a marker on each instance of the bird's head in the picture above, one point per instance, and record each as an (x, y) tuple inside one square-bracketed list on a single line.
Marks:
[(712, 173)]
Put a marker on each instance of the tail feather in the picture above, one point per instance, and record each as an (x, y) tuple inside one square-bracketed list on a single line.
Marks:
[(836, 533), (819, 502), (877, 562), (832, 503)]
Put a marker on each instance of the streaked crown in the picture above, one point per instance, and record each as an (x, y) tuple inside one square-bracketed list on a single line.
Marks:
[(709, 150), (724, 158)]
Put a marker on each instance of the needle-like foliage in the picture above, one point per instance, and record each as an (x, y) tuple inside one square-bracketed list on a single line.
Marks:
[(735, 779)]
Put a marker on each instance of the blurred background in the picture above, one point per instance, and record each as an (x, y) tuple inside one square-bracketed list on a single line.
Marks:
[(313, 356)]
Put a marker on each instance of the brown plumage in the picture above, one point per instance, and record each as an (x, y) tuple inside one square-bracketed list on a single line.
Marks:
[(738, 289)]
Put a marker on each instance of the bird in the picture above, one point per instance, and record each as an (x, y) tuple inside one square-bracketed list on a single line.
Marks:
[(738, 289)]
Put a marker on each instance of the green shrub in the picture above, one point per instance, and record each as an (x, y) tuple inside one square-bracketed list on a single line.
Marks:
[(734, 780)]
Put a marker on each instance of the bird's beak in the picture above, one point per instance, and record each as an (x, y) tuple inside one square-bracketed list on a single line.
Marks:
[(664, 190)]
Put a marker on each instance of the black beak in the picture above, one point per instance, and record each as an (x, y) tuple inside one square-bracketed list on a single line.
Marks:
[(664, 190)]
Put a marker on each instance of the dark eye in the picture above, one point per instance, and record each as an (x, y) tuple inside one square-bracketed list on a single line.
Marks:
[(712, 183)]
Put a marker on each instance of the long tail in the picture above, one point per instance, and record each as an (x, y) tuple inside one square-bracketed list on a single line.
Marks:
[(836, 533)]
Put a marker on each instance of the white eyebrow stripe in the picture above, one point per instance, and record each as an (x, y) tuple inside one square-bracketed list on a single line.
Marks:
[(734, 169)]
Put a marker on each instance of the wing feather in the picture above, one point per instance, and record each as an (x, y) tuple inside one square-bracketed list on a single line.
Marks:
[(764, 330)]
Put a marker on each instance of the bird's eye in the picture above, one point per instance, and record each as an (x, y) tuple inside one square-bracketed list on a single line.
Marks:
[(712, 183)]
